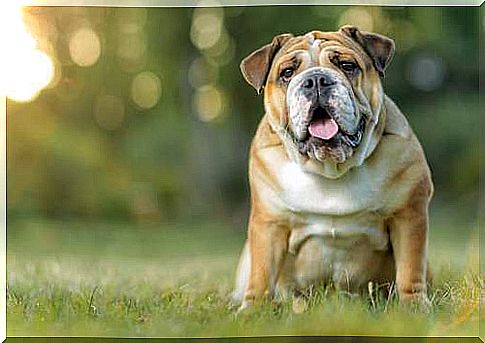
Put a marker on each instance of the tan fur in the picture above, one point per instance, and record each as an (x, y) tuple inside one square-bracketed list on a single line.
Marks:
[(368, 223)]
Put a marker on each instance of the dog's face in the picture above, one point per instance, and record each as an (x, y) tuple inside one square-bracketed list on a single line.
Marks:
[(323, 89)]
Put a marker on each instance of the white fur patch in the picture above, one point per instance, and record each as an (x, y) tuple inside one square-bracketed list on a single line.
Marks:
[(242, 275), (315, 50), (305, 192), (310, 37)]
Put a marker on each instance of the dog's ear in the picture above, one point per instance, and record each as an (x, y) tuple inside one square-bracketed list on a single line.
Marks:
[(256, 66), (379, 48)]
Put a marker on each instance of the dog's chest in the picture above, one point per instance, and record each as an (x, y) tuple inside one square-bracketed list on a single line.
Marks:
[(342, 212), (306, 193)]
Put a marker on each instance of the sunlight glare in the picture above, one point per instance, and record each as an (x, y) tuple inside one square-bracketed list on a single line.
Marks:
[(25, 69)]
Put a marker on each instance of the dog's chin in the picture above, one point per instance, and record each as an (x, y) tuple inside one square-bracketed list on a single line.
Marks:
[(321, 150), (339, 148)]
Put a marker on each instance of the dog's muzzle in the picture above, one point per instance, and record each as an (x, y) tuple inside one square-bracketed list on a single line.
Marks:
[(322, 113)]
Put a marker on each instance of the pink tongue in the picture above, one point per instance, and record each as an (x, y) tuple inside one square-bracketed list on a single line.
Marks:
[(324, 128)]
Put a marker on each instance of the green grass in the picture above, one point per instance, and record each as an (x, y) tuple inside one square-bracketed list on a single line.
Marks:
[(81, 279)]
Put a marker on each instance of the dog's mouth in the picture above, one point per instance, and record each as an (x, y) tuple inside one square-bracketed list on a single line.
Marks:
[(322, 125), (325, 132), (325, 128)]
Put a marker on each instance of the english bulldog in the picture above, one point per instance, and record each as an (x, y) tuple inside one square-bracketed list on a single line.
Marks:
[(340, 185)]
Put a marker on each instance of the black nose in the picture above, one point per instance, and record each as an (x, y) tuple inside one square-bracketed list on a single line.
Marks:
[(318, 81)]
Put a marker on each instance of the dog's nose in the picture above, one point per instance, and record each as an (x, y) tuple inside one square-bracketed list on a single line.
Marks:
[(318, 81)]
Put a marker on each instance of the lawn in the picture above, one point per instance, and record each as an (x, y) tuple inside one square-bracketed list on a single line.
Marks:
[(106, 279)]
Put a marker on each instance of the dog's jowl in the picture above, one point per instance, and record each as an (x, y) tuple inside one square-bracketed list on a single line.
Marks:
[(340, 185)]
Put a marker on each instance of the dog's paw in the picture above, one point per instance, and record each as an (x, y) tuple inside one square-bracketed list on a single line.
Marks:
[(245, 307), (299, 305), (416, 302)]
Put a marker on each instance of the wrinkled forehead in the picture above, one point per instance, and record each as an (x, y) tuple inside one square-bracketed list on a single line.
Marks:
[(315, 42)]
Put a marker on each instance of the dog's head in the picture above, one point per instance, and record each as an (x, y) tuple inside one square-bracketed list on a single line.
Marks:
[(323, 91)]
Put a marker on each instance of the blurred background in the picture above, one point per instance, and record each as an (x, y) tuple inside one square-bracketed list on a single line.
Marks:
[(141, 115)]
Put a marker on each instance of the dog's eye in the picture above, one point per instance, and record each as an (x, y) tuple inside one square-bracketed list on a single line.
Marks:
[(348, 67), (287, 73)]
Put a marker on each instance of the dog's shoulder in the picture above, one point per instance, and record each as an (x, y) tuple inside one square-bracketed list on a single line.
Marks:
[(266, 155), (400, 157), (396, 122)]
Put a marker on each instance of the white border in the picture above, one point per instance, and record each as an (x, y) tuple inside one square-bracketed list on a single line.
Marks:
[(152, 3), (3, 219), (197, 3)]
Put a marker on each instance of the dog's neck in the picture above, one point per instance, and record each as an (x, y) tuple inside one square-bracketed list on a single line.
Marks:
[(329, 168)]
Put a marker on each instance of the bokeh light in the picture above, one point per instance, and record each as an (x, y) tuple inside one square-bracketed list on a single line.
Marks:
[(131, 49), (222, 53), (201, 72), (206, 27), (426, 73), (358, 16), (131, 20), (84, 47), (217, 47), (209, 103), (146, 89), (109, 112), (25, 69)]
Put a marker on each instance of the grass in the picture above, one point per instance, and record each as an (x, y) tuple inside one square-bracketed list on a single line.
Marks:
[(80, 279)]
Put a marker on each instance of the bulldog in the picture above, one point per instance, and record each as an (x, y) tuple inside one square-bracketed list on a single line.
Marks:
[(340, 185)]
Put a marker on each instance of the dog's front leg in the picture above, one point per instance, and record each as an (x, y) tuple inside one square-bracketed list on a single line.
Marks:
[(268, 245), (409, 239)]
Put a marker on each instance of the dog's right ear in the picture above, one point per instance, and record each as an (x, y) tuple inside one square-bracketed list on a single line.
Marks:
[(255, 67)]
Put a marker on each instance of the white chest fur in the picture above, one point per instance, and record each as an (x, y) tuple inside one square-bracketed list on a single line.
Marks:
[(307, 193), (342, 212), (342, 221)]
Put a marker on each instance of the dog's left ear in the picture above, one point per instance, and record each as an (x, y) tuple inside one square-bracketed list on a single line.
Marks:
[(379, 48), (256, 66)]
